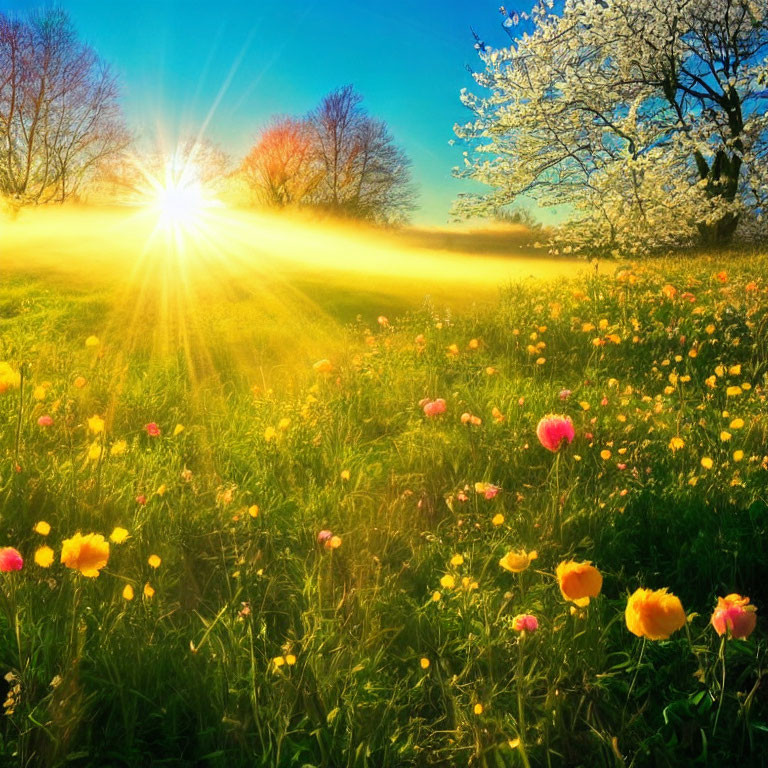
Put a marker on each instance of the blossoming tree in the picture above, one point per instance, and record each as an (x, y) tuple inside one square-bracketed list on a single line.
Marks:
[(645, 118)]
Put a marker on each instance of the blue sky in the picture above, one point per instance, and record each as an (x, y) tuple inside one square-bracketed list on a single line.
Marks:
[(242, 61)]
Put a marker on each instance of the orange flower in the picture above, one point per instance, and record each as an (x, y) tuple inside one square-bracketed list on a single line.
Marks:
[(579, 581), (87, 554), (654, 614), (517, 562)]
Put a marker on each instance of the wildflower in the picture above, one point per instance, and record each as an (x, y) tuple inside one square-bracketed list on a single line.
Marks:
[(9, 379), (87, 554), (290, 659), (605, 454), (94, 451), (253, 510), (141, 499), (270, 433), (118, 448), (736, 424), (80, 382), (434, 407), (676, 443), (424, 663), (323, 366), (725, 436), (128, 592), (42, 528), (457, 560), (517, 562), (654, 614), (497, 519), (478, 709), (579, 581), (738, 455), (44, 557), (382, 321), (525, 622), (453, 350), (92, 341), (345, 474), (96, 424), (447, 581), (10, 559), (436, 597), (564, 394), (149, 591), (119, 535), (152, 429), (498, 416), (45, 421), (553, 430), (488, 490), (735, 616), (468, 419), (334, 542), (178, 429), (733, 391), (324, 537), (154, 561)]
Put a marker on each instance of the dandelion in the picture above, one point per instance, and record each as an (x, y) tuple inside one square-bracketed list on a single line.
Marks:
[(525, 622), (334, 542), (253, 510), (654, 614), (676, 443), (118, 448), (447, 581), (80, 382), (128, 592), (579, 581), (178, 429), (457, 560), (96, 424), (345, 474), (92, 341), (149, 591), (738, 455), (736, 424), (605, 454), (734, 616), (725, 436), (497, 519), (42, 528), (290, 659), (707, 463), (44, 557), (154, 561), (9, 379), (10, 559), (517, 562), (87, 554), (424, 663), (478, 709), (553, 431), (119, 535), (270, 433), (436, 596)]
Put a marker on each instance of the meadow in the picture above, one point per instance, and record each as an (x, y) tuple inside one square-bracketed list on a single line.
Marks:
[(331, 533)]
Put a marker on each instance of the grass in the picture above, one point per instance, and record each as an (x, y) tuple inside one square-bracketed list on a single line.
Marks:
[(385, 674)]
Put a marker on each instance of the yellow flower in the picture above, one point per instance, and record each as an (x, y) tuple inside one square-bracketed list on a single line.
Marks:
[(707, 463), (579, 581), (738, 455), (345, 475), (80, 382), (447, 582), (497, 519), (278, 661), (96, 424), (517, 562), (178, 429), (128, 592), (334, 542), (42, 528), (733, 391), (87, 554), (92, 341), (290, 659), (154, 561), (734, 370), (725, 436), (457, 560), (253, 510), (270, 433), (436, 596), (119, 535), (149, 592), (283, 424), (39, 393), (676, 443), (736, 424), (44, 556), (118, 448), (94, 451), (9, 379), (654, 614), (478, 709), (605, 454), (323, 366), (424, 662)]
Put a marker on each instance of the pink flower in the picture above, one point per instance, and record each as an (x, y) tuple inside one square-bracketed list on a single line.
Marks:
[(141, 499), (324, 536), (564, 394), (553, 430), (45, 421), (10, 559), (525, 622), (490, 491), (734, 615), (434, 407), (152, 429)]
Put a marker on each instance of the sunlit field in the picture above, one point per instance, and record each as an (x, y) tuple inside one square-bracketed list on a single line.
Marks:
[(323, 519)]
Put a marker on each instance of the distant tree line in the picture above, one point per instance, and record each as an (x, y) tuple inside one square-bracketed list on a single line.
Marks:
[(62, 131)]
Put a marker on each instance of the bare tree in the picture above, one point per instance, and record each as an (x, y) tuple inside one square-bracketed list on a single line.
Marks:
[(365, 174), (281, 169), (59, 113)]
